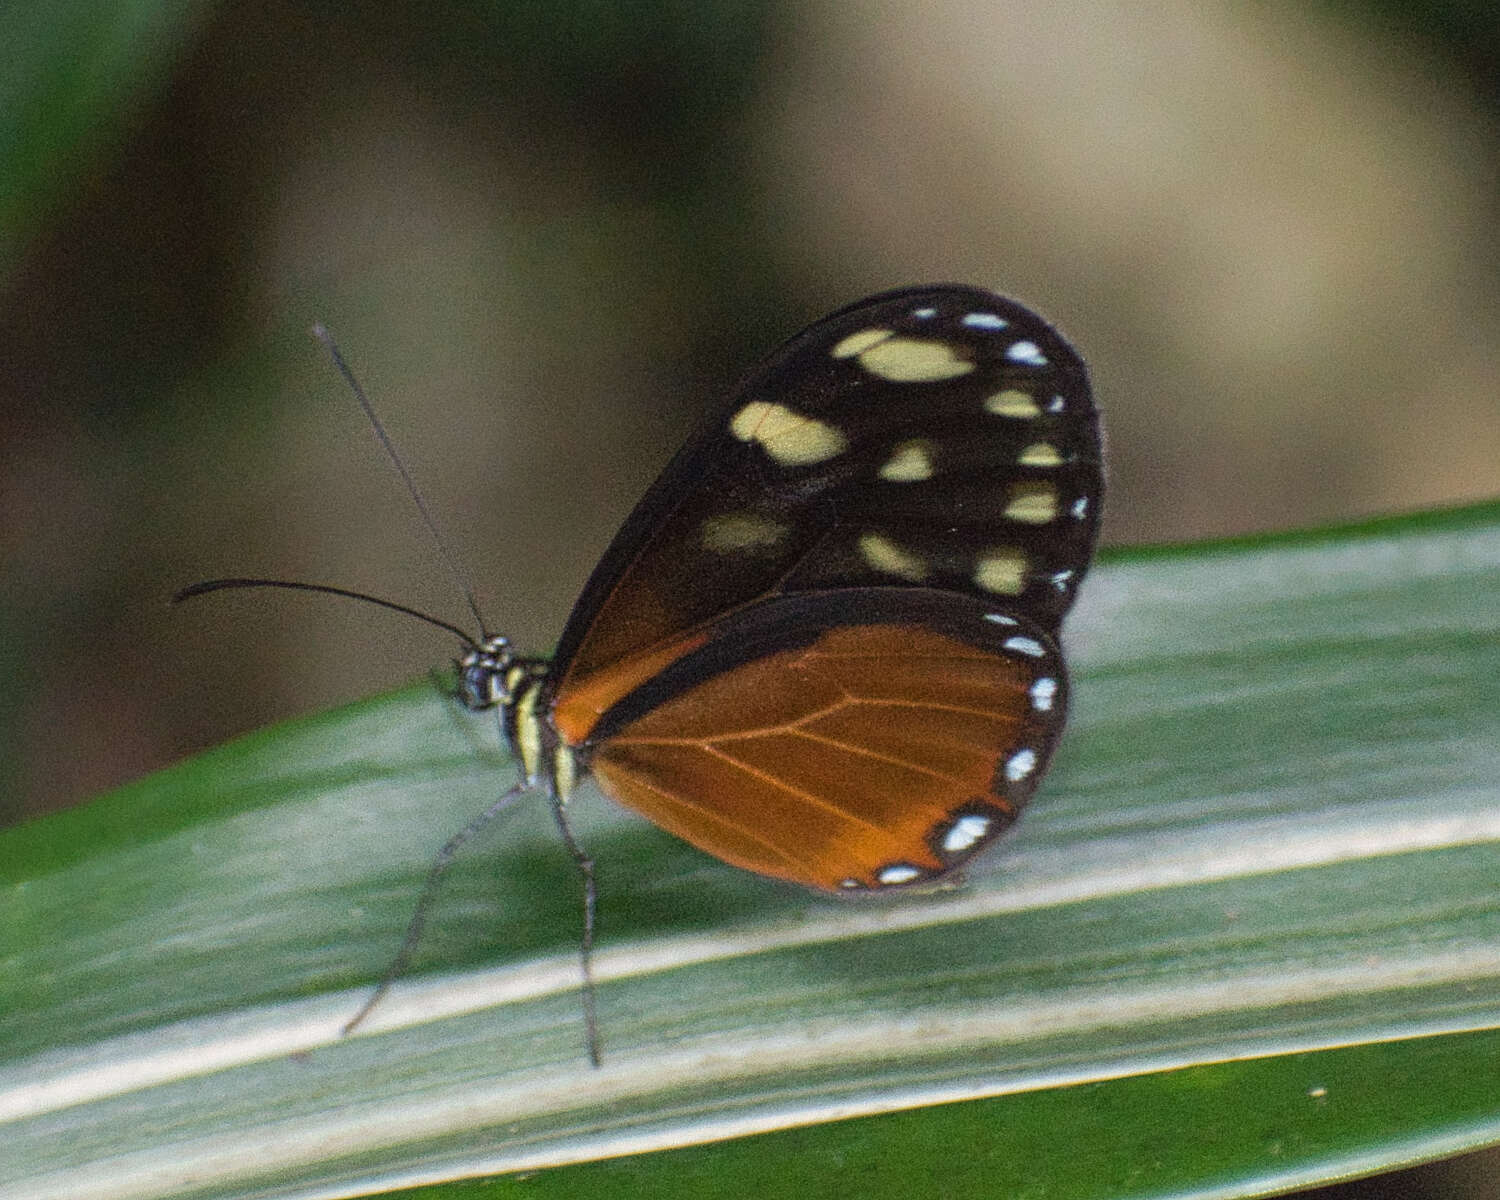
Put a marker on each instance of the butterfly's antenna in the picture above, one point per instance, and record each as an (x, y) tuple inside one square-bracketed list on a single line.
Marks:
[(220, 585), (435, 873), (320, 331)]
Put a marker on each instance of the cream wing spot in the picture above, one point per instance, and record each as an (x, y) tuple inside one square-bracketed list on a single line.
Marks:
[(1040, 454), (1012, 403), (1002, 572), (910, 462), (884, 555), (1032, 503), (897, 873), (914, 360), (731, 533), (791, 439), (857, 343), (745, 424)]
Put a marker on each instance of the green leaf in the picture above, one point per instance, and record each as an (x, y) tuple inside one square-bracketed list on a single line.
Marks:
[(1247, 937)]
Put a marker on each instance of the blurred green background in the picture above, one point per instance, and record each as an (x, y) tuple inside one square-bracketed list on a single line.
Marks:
[(547, 234)]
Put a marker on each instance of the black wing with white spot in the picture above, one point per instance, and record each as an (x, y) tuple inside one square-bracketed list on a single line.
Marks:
[(939, 437)]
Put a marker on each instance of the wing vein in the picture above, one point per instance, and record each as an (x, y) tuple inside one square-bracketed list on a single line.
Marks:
[(812, 800), (866, 752), (626, 739), (808, 867)]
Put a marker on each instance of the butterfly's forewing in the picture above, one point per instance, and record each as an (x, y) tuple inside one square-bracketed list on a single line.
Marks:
[(938, 437)]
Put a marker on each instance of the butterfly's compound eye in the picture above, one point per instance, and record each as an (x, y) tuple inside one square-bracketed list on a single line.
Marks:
[(484, 675), (475, 684)]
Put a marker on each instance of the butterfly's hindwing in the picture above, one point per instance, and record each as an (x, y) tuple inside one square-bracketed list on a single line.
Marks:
[(849, 740)]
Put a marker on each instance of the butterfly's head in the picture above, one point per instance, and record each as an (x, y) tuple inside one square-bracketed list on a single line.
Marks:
[(485, 674)]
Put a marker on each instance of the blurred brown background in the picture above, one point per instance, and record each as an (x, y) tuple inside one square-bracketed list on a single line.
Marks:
[(547, 234)]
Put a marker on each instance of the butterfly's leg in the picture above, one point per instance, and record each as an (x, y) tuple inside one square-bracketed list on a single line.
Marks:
[(435, 873), (585, 866)]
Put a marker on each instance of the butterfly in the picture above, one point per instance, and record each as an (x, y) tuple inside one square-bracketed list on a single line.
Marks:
[(824, 645)]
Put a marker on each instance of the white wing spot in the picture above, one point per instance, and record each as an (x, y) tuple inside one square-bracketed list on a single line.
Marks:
[(1020, 764), (1012, 403), (1001, 619), (1002, 572), (1043, 693), (884, 555), (914, 360), (1080, 507), (850, 884), (964, 832), (1032, 503), (898, 873), (984, 320), (1060, 579), (1027, 646), (1040, 454), (855, 343), (791, 439), (1028, 353), (910, 463), (1056, 404), (923, 314)]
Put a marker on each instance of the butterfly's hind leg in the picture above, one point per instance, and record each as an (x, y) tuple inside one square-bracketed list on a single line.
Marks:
[(440, 864), (585, 866)]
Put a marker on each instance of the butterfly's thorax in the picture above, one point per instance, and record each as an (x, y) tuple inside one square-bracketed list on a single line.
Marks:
[(529, 733), (490, 676)]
